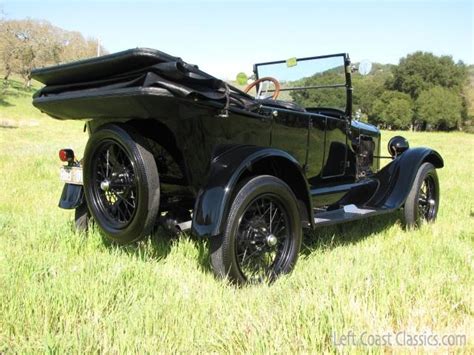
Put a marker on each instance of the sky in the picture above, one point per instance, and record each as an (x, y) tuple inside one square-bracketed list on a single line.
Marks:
[(226, 37)]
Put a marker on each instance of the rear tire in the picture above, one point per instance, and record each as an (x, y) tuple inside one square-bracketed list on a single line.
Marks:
[(82, 218), (121, 183), (263, 234), (422, 202)]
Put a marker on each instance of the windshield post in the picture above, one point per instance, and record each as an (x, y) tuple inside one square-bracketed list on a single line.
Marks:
[(347, 64)]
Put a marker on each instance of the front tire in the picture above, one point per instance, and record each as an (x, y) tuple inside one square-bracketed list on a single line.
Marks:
[(422, 202), (121, 183), (263, 235)]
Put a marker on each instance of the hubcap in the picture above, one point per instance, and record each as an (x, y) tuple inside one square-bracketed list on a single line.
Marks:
[(105, 185), (272, 240)]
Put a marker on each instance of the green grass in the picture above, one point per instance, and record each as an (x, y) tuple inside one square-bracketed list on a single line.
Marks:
[(64, 292)]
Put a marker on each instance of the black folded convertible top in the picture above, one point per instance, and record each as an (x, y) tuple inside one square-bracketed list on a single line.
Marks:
[(101, 67)]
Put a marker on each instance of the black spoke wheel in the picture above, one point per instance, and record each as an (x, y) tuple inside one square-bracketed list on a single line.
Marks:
[(263, 234), (121, 183), (115, 186), (427, 199), (263, 237), (423, 200)]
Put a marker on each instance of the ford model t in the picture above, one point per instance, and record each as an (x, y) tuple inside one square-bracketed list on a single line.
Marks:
[(248, 169)]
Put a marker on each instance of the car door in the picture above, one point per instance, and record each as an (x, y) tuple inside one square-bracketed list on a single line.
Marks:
[(327, 154), (335, 148)]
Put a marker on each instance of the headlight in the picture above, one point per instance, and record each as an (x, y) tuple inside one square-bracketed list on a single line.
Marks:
[(397, 145)]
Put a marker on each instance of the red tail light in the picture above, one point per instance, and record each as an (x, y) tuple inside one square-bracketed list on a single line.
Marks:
[(66, 155)]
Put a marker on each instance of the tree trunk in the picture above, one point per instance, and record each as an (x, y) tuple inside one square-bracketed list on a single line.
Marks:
[(7, 75), (27, 78)]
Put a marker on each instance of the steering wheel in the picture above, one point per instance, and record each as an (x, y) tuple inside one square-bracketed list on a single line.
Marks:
[(260, 81)]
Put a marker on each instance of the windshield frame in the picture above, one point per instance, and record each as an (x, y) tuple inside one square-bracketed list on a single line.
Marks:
[(347, 69)]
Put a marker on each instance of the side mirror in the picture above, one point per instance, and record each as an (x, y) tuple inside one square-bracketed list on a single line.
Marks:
[(365, 67)]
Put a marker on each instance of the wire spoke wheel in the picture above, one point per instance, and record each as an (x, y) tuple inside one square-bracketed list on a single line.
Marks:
[(427, 199), (422, 202), (115, 185), (121, 183), (262, 238), (263, 234)]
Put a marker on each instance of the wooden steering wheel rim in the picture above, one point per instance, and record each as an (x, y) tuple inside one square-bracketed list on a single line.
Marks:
[(266, 78)]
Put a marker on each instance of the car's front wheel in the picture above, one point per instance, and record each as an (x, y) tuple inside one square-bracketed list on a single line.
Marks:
[(121, 183), (422, 202), (263, 235)]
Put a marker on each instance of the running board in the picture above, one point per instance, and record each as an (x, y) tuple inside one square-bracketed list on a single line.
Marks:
[(346, 214)]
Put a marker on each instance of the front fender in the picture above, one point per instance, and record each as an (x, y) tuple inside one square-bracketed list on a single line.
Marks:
[(396, 178), (214, 199)]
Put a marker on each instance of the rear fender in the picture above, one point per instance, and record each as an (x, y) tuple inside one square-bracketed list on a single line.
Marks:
[(396, 178), (228, 169), (71, 197)]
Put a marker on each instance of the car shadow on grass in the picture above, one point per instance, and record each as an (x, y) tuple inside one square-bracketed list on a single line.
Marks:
[(160, 243), (330, 237)]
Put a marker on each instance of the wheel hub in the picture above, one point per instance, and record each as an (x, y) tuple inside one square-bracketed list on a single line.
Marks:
[(271, 240), (431, 202), (105, 185)]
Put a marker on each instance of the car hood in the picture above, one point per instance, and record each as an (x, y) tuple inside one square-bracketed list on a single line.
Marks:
[(365, 128)]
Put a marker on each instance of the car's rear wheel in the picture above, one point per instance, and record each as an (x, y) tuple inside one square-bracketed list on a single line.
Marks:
[(121, 183), (422, 202), (263, 235), (82, 218)]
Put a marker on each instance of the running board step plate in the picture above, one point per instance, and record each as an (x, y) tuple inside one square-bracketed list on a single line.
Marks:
[(346, 214)]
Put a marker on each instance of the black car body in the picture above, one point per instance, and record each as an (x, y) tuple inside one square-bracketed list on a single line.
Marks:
[(208, 140)]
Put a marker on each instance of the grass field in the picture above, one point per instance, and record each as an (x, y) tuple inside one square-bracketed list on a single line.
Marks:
[(64, 292)]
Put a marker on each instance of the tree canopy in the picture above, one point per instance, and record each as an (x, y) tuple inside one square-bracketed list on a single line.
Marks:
[(393, 109), (439, 108), (421, 71), (28, 44)]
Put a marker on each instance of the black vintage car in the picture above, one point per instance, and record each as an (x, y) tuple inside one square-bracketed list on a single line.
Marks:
[(171, 145)]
